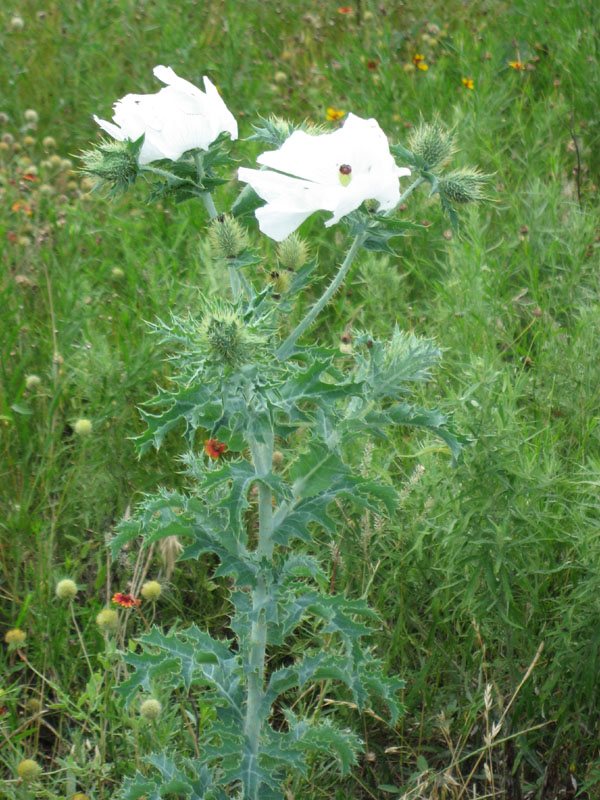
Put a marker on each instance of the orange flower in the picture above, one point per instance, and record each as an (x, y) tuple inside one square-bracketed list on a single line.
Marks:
[(18, 206), (29, 176), (516, 65), (125, 600), (468, 83), (334, 114), (345, 10), (215, 448)]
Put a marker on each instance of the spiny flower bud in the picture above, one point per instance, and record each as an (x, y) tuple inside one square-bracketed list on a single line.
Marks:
[(292, 252), (463, 185), (432, 142), (107, 620), (66, 589), (15, 637), (113, 163), (226, 334), (32, 382), (150, 709), (29, 770), (227, 237), (281, 281), (151, 590), (83, 427)]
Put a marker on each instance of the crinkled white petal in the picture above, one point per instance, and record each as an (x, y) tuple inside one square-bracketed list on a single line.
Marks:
[(178, 118), (308, 175)]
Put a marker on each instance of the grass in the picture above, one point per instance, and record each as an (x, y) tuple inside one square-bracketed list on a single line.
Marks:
[(484, 562)]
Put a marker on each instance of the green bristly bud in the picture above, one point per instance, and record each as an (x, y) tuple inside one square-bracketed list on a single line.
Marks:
[(114, 164), (227, 337), (275, 130), (433, 143), (292, 252), (227, 237), (463, 186)]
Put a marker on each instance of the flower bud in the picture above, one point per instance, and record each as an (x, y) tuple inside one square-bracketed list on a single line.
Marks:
[(3, 118), (15, 637), (49, 142), (66, 589), (151, 590), (278, 459), (226, 335), (117, 273), (281, 281), (17, 24), (29, 770), (107, 620), (150, 709), (292, 252), (32, 382), (83, 427), (32, 705), (463, 186), (31, 116), (432, 142), (8, 138), (113, 163), (227, 237)]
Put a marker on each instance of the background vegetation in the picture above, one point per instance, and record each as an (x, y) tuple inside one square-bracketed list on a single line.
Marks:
[(489, 575)]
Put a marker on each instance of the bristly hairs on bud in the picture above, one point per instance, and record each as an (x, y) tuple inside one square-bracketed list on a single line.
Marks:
[(227, 238), (464, 185), (115, 164), (292, 252), (275, 130), (432, 142)]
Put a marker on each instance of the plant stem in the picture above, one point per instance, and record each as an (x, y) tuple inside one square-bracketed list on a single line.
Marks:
[(415, 184), (285, 350)]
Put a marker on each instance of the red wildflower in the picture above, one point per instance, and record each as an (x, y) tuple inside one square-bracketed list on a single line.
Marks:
[(125, 600), (215, 448), (3, 710), (29, 176), (345, 10), (12, 237)]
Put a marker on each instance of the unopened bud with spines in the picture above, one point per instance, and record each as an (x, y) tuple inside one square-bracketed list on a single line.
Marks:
[(292, 252), (463, 185), (433, 143), (227, 336), (113, 163), (227, 237)]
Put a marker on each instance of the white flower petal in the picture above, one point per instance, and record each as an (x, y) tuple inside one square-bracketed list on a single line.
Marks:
[(178, 118)]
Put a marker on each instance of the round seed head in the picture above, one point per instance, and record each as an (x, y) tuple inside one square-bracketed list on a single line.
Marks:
[(151, 590), (15, 636), (83, 427), (66, 589), (32, 382), (107, 620), (29, 770), (150, 709)]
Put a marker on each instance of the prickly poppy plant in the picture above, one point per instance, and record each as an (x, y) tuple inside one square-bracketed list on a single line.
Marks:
[(269, 421)]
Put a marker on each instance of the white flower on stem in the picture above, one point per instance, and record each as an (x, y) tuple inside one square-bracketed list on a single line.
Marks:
[(332, 172), (179, 117)]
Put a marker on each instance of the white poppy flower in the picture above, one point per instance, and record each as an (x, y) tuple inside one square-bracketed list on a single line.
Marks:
[(179, 117), (332, 172)]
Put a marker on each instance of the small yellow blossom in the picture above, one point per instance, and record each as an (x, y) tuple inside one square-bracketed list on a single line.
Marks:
[(15, 636), (468, 83), (516, 65), (334, 114), (419, 61)]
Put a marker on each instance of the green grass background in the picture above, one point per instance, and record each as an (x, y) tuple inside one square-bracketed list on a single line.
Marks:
[(484, 562)]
